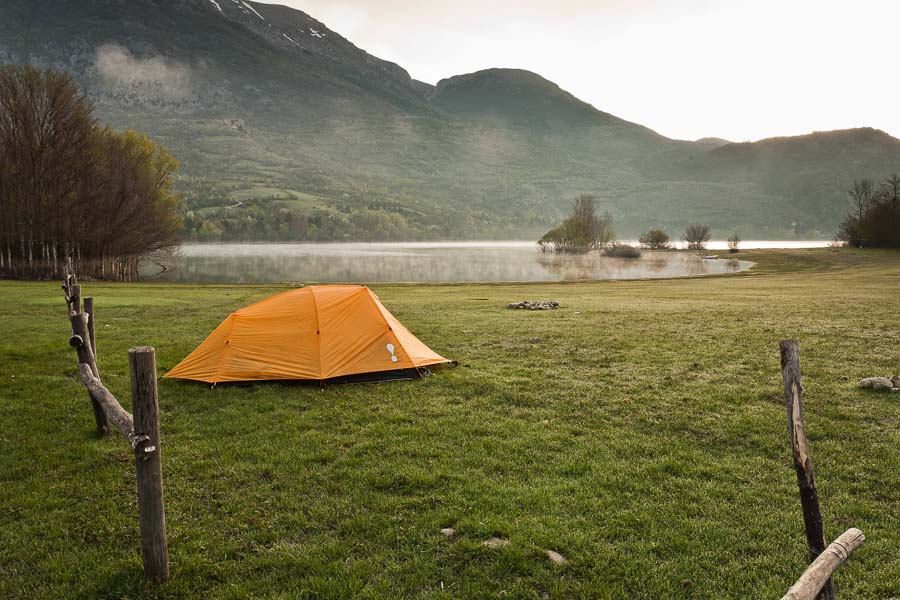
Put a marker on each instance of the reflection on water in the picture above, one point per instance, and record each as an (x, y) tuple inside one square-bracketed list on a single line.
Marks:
[(650, 265), (420, 262)]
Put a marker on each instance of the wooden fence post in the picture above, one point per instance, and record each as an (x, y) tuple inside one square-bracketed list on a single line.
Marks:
[(81, 341), (89, 309), (76, 297), (145, 404), (809, 496)]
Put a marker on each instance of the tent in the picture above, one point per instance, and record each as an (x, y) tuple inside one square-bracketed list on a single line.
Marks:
[(313, 333)]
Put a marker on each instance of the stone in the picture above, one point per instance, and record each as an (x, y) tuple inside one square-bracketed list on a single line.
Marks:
[(556, 558), (876, 383), (448, 532), (534, 305), (496, 542), (882, 384)]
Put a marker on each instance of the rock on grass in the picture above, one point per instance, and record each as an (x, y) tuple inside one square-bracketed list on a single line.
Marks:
[(876, 383), (556, 558)]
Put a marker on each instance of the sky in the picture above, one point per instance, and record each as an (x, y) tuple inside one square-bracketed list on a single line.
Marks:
[(736, 69)]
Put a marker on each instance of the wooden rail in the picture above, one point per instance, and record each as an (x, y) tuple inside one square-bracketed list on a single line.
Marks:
[(819, 573)]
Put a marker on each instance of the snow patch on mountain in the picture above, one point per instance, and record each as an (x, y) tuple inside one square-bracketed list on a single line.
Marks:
[(253, 9)]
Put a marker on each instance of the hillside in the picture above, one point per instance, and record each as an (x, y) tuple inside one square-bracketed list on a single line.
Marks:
[(808, 175), (266, 106)]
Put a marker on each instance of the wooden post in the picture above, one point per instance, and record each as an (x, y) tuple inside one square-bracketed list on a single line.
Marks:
[(73, 294), (818, 574), (89, 309), (154, 550), (809, 497), (76, 298), (81, 341)]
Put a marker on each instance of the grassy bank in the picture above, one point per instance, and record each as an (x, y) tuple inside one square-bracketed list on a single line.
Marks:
[(639, 431)]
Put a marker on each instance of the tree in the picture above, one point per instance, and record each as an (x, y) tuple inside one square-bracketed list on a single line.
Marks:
[(696, 236), (734, 240), (44, 128), (874, 218), (583, 230), (71, 191), (656, 239), (861, 196)]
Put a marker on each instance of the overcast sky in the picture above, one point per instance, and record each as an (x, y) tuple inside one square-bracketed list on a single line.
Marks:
[(738, 69)]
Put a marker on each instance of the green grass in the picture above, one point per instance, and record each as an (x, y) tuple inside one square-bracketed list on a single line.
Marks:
[(639, 431)]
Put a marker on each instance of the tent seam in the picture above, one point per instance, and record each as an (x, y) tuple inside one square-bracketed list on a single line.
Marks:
[(227, 347), (381, 309), (312, 292)]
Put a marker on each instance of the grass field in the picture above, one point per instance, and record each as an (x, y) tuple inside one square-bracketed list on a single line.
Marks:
[(639, 431)]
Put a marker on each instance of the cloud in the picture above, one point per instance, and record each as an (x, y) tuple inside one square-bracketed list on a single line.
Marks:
[(156, 76)]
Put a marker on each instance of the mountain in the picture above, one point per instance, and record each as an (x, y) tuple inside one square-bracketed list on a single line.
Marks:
[(519, 97), (317, 139), (711, 142), (803, 176)]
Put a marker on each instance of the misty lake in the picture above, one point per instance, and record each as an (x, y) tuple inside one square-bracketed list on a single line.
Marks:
[(431, 262)]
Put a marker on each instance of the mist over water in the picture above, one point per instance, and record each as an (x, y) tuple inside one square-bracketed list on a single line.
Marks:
[(427, 262)]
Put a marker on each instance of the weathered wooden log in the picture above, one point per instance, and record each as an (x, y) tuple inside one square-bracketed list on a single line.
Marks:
[(118, 417), (144, 401), (818, 574), (89, 310), (809, 496), (81, 341)]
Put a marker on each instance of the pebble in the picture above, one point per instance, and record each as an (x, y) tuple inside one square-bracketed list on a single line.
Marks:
[(496, 542), (556, 557), (448, 532)]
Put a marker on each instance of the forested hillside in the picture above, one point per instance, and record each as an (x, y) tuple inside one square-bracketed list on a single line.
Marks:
[(286, 130)]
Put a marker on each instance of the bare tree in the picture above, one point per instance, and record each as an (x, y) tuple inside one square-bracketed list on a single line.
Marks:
[(861, 196), (45, 128), (696, 236), (875, 220), (889, 190)]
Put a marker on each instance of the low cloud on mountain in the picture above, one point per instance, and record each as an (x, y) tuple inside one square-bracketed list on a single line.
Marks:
[(158, 76)]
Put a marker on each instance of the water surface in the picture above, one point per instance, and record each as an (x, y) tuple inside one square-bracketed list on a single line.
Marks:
[(420, 262)]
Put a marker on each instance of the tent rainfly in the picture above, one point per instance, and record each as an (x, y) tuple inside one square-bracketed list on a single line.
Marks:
[(312, 333)]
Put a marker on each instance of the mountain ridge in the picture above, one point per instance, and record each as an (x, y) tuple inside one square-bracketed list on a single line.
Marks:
[(267, 105)]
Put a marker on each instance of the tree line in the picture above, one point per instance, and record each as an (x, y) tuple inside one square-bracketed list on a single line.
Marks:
[(73, 192), (874, 219), (585, 229), (255, 220)]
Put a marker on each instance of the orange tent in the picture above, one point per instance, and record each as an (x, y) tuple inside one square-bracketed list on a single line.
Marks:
[(316, 332)]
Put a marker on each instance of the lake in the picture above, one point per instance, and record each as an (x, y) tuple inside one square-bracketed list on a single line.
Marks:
[(433, 262)]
